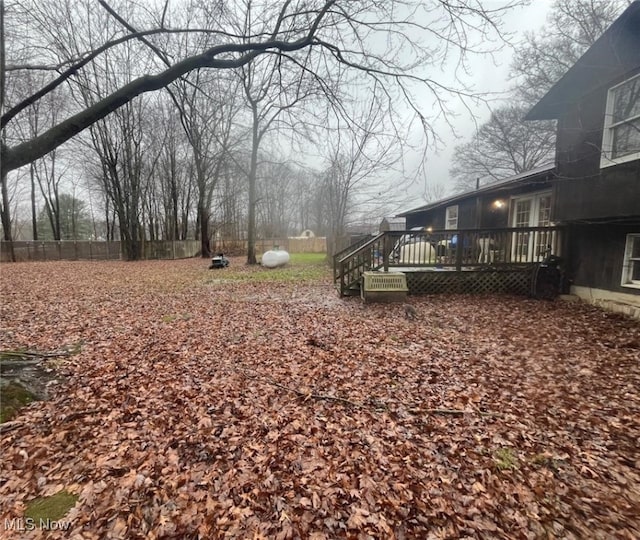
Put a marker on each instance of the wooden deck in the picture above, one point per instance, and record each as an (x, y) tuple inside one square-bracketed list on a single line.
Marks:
[(452, 261)]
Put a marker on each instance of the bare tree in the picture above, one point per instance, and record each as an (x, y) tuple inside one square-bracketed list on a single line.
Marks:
[(271, 95), (433, 191), (208, 108), (357, 155), (47, 172), (572, 27), (5, 208), (231, 206), (276, 202), (316, 36), (174, 179), (503, 146), (393, 44), (127, 167)]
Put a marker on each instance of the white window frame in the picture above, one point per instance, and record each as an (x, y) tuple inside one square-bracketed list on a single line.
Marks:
[(629, 262), (448, 219), (609, 126), (534, 213), (525, 246)]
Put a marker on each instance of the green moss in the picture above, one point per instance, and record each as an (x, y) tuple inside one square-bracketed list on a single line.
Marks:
[(13, 396), (172, 318), (51, 508), (506, 459)]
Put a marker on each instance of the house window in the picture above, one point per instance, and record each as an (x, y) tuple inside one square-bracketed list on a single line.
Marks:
[(451, 219), (621, 136), (631, 265)]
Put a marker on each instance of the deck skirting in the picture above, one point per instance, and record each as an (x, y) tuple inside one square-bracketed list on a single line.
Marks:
[(494, 280)]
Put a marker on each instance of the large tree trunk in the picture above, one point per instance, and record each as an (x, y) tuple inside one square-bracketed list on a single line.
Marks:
[(203, 220), (251, 218), (6, 217), (34, 217)]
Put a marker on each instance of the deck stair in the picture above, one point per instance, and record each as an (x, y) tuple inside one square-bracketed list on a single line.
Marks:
[(350, 264)]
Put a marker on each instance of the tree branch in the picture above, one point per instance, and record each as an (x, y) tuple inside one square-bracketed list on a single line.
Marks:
[(24, 153)]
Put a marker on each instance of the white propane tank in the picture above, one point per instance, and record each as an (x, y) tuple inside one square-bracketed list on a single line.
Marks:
[(274, 258)]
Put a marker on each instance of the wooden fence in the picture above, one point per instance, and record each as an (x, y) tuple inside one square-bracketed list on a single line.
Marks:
[(292, 245), (69, 250)]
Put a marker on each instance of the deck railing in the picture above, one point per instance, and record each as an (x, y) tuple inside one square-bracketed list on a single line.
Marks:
[(460, 249), (347, 251), (350, 264)]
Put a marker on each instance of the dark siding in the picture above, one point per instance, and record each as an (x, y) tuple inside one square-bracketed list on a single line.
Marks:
[(423, 219), (436, 217), (613, 194), (490, 216), (467, 213), (596, 255), (585, 191)]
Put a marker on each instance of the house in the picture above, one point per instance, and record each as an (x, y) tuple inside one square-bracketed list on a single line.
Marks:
[(584, 208), (597, 186), (521, 200), (593, 189)]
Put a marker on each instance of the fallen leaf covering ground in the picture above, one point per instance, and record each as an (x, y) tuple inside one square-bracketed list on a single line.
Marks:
[(229, 404)]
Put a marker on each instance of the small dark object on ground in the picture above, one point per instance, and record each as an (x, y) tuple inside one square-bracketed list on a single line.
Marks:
[(410, 312), (219, 261)]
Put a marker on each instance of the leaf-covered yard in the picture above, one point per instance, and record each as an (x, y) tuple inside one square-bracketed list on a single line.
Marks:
[(247, 403)]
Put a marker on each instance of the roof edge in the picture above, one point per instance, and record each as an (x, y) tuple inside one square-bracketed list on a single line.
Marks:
[(546, 111), (487, 188)]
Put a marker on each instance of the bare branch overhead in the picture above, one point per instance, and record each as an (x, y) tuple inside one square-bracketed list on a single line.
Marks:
[(395, 43)]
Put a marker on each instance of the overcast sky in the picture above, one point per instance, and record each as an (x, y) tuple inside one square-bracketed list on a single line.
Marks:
[(487, 74)]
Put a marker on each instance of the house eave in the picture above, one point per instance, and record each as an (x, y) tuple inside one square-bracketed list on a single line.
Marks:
[(544, 172)]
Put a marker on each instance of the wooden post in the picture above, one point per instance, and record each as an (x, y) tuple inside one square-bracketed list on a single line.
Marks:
[(386, 251), (459, 249)]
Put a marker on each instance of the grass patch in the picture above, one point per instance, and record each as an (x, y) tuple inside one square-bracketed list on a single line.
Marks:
[(309, 259), (172, 318), (291, 272), (13, 397), (505, 459), (51, 508), (301, 267)]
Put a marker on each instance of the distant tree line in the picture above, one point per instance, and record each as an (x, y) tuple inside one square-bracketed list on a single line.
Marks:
[(184, 119)]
